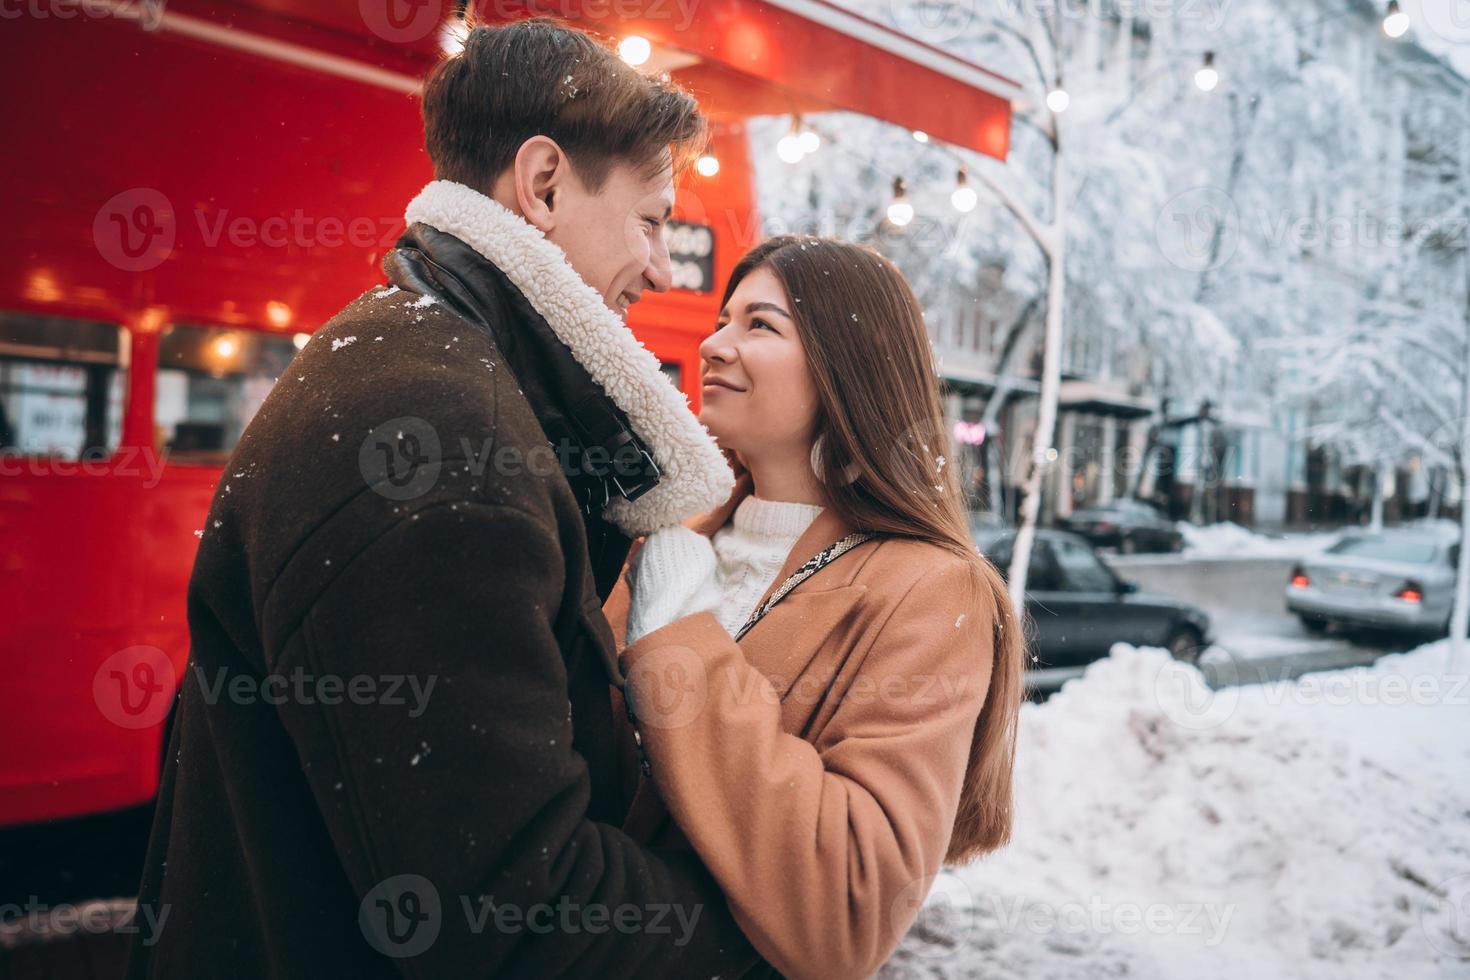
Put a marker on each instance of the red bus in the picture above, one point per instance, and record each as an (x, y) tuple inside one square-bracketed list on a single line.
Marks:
[(193, 189)]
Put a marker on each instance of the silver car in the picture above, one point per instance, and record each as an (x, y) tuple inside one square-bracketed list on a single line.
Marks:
[(1402, 579)]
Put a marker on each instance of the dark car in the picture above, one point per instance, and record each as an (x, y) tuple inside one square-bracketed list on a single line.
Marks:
[(1081, 607), (1128, 525)]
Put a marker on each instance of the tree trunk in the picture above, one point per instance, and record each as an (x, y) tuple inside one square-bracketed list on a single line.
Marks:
[(1460, 617), (1051, 380), (1375, 519)]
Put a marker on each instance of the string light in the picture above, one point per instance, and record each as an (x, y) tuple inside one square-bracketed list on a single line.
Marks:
[(900, 212), (707, 165), (635, 49), (789, 148), (964, 197), (798, 142), (1207, 77), (1395, 21)]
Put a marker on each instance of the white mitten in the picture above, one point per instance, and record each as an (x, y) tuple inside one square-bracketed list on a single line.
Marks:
[(673, 576)]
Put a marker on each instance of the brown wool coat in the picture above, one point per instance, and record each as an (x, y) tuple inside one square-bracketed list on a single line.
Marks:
[(815, 766)]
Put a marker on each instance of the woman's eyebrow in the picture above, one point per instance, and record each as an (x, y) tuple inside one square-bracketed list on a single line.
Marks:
[(770, 307)]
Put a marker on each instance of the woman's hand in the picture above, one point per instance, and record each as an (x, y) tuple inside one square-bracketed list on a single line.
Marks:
[(672, 576)]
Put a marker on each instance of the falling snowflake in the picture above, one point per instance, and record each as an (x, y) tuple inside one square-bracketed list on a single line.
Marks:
[(339, 344)]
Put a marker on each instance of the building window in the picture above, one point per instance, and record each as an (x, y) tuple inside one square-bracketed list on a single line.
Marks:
[(211, 381), (62, 386)]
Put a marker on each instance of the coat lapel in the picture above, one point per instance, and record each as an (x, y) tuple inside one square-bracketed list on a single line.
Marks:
[(694, 475)]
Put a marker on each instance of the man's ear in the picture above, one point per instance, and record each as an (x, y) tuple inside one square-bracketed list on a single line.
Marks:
[(539, 178)]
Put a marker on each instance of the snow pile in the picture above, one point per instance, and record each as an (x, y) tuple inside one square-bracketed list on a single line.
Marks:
[(1230, 540), (1317, 828)]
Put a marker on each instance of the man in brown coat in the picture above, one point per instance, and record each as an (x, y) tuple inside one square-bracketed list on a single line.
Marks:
[(393, 751)]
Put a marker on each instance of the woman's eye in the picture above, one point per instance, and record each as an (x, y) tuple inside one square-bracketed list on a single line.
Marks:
[(758, 324)]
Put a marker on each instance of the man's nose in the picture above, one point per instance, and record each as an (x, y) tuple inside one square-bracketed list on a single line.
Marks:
[(660, 269)]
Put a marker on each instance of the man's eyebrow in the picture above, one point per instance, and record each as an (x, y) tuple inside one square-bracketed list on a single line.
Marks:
[(769, 307)]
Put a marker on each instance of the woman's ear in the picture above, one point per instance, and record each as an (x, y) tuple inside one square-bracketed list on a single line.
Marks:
[(540, 173)]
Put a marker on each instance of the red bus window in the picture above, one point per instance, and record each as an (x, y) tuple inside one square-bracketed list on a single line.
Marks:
[(211, 380), (62, 385)]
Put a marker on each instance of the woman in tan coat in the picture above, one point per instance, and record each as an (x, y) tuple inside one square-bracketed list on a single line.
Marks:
[(824, 674)]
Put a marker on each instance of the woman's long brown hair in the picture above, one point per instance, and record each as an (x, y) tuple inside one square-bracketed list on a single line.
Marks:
[(882, 437)]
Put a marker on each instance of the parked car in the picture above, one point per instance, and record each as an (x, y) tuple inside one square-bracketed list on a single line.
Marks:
[(1128, 525), (1081, 607), (1400, 579)]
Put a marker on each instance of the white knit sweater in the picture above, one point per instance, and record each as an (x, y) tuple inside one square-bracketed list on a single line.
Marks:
[(679, 572)]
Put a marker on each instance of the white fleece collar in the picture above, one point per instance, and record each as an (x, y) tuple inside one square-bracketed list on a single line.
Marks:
[(695, 477)]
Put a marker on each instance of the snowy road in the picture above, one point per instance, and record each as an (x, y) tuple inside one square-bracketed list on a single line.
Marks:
[(1257, 640)]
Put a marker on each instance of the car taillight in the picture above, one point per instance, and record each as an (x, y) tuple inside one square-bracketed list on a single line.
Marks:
[(1411, 592), (1299, 578)]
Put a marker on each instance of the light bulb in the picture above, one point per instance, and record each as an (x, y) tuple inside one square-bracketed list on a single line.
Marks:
[(1207, 77), (810, 142), (1057, 100), (1395, 22), (920, 136), (635, 49), (789, 148), (964, 199), (900, 212), (707, 165)]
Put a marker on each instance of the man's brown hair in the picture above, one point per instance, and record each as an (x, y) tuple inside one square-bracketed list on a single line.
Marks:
[(538, 77)]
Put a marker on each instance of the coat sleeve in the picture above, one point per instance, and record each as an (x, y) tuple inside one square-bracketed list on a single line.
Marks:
[(825, 851), (467, 791)]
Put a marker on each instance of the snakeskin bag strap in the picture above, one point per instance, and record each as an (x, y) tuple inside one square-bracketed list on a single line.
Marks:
[(808, 568)]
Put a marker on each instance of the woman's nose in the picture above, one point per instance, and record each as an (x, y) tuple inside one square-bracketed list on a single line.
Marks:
[(716, 347)]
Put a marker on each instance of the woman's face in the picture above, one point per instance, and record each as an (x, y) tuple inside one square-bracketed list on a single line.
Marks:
[(758, 393)]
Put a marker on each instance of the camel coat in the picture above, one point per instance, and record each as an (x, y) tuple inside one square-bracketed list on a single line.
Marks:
[(815, 766)]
